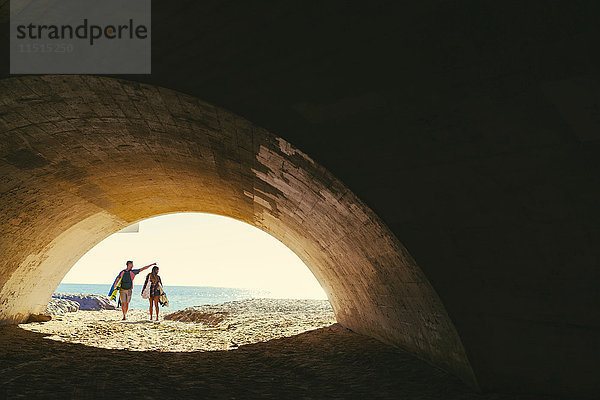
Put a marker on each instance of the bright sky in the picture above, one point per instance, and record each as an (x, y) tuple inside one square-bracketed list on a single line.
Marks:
[(194, 249)]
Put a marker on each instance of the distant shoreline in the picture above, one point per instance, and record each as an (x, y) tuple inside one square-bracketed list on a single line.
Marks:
[(180, 297), (136, 282), (265, 291)]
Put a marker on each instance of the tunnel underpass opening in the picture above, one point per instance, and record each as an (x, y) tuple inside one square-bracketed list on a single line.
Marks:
[(229, 284), (83, 157), (198, 250)]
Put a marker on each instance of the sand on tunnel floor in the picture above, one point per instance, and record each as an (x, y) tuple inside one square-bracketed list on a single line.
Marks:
[(237, 323), (328, 362)]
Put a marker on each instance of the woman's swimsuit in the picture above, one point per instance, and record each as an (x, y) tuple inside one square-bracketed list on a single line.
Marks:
[(154, 289)]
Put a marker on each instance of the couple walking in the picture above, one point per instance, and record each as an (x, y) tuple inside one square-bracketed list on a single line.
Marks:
[(124, 284)]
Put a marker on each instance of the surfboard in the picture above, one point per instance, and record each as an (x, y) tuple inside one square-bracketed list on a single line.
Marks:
[(112, 293), (163, 297)]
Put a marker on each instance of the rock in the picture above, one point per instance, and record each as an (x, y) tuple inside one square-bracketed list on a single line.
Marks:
[(58, 306), (39, 318), (88, 302), (191, 315)]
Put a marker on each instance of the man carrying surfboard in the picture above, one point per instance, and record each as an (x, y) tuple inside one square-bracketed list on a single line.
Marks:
[(124, 284)]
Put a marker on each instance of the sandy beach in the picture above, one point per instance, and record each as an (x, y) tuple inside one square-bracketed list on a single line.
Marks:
[(326, 363), (259, 348), (216, 327)]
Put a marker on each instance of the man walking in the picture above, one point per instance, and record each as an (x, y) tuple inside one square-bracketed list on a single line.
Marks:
[(124, 282)]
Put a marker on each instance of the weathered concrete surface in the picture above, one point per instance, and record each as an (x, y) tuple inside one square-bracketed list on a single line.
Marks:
[(83, 157)]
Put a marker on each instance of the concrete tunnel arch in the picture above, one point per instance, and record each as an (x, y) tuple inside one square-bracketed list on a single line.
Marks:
[(82, 157)]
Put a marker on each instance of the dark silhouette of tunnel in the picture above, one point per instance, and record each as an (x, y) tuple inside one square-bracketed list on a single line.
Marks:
[(465, 135), (106, 153)]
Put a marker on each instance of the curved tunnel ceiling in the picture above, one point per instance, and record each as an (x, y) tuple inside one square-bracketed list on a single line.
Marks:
[(83, 157)]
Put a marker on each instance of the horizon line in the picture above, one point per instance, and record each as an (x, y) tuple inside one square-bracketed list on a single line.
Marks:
[(216, 287)]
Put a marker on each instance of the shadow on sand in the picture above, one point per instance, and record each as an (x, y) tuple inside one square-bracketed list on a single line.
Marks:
[(144, 321), (331, 362)]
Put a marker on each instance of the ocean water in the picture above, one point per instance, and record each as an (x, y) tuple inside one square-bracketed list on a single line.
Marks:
[(180, 297)]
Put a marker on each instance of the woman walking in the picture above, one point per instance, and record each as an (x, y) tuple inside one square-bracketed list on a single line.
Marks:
[(153, 279)]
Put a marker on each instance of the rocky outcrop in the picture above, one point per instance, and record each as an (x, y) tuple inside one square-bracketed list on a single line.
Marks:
[(87, 302), (191, 315), (58, 306)]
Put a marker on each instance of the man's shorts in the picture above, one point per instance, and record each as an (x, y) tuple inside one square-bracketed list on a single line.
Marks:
[(125, 295)]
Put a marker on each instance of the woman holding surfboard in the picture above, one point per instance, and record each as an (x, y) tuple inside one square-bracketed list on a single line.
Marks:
[(152, 290)]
